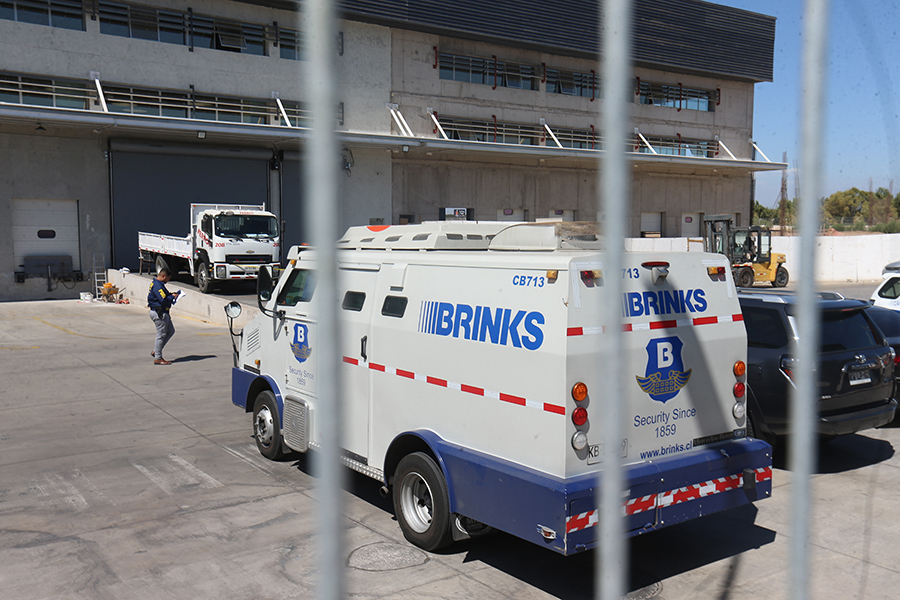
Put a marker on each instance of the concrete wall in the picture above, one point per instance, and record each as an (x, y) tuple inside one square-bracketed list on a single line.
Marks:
[(839, 259)]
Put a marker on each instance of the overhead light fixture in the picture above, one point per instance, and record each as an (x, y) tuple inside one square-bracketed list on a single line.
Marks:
[(201, 135), (39, 128)]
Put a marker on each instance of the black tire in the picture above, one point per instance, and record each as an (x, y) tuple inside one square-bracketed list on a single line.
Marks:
[(162, 263), (781, 277), (421, 503), (266, 426), (745, 277), (204, 280)]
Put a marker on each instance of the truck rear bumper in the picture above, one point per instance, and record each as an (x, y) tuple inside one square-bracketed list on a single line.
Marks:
[(561, 513)]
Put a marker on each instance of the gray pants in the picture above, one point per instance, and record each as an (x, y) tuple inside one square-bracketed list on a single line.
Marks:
[(164, 331)]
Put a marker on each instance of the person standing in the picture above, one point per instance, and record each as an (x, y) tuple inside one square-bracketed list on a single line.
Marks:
[(160, 300)]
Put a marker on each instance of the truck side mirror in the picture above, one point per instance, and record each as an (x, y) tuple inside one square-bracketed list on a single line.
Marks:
[(263, 285)]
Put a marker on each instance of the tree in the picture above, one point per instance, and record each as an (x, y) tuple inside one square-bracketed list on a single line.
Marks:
[(848, 204)]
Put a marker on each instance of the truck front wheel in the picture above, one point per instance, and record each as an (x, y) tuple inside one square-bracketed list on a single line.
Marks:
[(266, 428), (204, 281), (745, 277), (421, 502)]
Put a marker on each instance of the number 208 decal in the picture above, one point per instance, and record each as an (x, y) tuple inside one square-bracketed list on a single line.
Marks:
[(529, 280)]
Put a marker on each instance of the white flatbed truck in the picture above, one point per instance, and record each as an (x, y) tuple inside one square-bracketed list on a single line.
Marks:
[(472, 388), (227, 242)]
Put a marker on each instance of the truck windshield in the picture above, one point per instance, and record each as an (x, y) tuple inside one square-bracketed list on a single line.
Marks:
[(246, 226)]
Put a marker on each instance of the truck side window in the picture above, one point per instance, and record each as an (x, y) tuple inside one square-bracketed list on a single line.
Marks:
[(354, 301), (206, 225), (299, 288), (394, 306)]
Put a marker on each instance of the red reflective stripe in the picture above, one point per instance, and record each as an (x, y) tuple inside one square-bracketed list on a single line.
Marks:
[(578, 522), (471, 389), (436, 381), (705, 320), (764, 474), (729, 484), (639, 505), (626, 327), (575, 331), (512, 399), (554, 408), (408, 374), (737, 317), (376, 367), (352, 361), (664, 324)]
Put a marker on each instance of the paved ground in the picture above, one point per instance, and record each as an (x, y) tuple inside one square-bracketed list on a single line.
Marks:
[(124, 480)]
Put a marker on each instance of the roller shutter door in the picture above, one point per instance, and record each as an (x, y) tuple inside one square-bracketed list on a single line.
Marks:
[(153, 192)]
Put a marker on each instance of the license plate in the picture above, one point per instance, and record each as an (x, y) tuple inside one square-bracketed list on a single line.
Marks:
[(858, 377), (595, 454)]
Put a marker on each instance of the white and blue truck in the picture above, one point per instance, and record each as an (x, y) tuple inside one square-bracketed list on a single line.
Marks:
[(471, 381)]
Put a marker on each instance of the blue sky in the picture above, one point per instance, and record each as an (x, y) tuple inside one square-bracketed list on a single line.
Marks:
[(862, 128)]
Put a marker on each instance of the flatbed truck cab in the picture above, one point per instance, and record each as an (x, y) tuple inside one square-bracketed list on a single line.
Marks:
[(471, 381)]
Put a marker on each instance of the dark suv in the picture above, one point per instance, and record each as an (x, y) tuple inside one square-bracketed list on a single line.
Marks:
[(856, 364)]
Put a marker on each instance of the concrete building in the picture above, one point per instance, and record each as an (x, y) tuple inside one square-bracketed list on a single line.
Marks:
[(116, 115)]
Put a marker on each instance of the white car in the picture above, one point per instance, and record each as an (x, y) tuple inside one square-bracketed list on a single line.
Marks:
[(887, 294), (891, 268)]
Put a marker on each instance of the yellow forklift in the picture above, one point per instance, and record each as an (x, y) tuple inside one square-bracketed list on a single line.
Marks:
[(749, 249)]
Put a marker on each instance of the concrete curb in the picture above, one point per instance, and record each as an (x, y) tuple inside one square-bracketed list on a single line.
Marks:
[(205, 307)]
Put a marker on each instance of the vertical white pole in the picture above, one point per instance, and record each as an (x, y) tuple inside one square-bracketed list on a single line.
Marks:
[(802, 451), (321, 201), (615, 33)]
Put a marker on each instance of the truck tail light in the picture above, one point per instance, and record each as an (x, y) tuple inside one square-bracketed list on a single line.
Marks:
[(739, 410), (579, 391), (579, 416)]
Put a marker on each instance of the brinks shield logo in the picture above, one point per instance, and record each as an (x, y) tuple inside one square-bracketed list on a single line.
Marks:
[(665, 375), (300, 345)]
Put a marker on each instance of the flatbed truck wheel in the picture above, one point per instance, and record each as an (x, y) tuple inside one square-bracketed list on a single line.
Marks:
[(421, 502), (203, 279), (266, 427), (161, 264)]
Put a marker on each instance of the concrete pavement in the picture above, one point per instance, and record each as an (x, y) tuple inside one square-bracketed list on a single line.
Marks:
[(121, 479)]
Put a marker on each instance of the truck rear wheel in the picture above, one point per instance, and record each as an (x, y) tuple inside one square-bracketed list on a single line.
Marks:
[(161, 264), (781, 277), (421, 502), (266, 427), (204, 281), (745, 277)]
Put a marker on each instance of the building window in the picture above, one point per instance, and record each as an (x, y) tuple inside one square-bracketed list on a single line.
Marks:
[(677, 96), (66, 14), (181, 28), (488, 71), (576, 138), (572, 83), (489, 131), (42, 91), (678, 147), (290, 44)]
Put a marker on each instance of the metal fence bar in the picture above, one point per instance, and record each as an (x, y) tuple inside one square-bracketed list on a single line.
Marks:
[(321, 202), (615, 33), (802, 451)]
